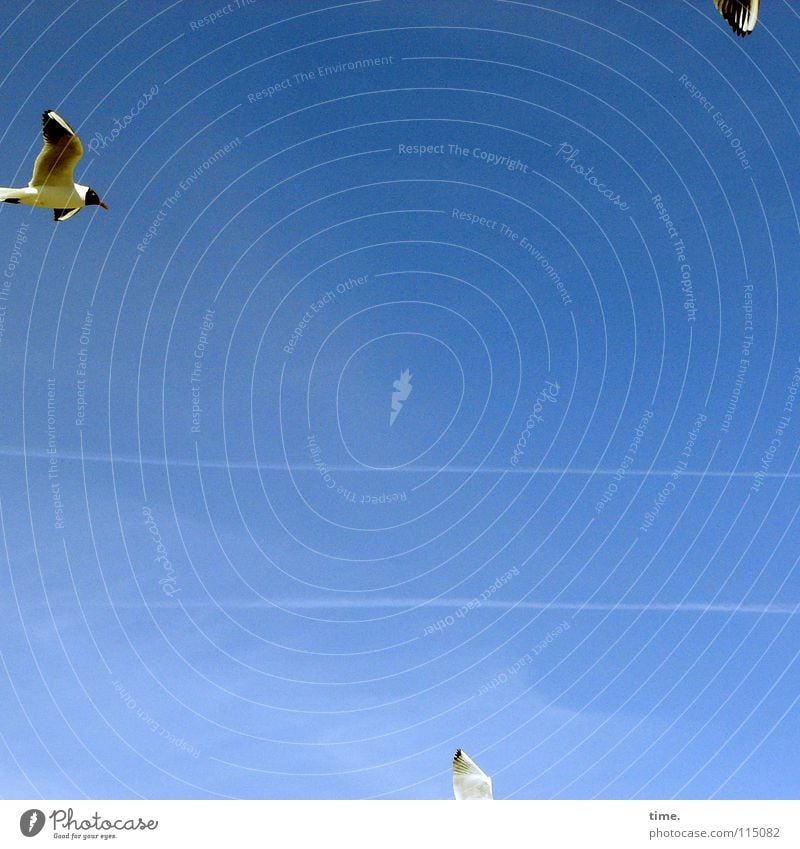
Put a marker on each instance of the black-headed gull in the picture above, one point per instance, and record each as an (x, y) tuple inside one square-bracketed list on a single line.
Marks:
[(469, 780), (52, 184), (742, 15)]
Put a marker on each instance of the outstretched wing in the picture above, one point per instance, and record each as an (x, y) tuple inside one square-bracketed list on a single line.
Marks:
[(64, 214), (62, 149), (469, 780), (742, 15)]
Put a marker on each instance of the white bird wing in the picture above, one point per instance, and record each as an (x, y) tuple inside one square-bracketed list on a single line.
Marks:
[(64, 214), (469, 780), (742, 15), (62, 149)]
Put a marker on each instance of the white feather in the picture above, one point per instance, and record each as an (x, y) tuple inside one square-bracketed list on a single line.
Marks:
[(469, 780)]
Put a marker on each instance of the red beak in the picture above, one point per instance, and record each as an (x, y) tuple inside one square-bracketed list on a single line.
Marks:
[(103, 205)]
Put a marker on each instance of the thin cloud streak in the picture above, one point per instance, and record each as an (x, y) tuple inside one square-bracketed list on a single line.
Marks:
[(426, 470), (452, 604)]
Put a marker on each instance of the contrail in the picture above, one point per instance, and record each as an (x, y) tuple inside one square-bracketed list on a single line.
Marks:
[(771, 609), (354, 469)]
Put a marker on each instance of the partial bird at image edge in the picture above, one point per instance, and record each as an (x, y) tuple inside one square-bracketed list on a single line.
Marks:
[(52, 185), (470, 782), (741, 15)]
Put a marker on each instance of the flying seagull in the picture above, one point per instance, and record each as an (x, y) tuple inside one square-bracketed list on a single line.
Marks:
[(52, 184), (469, 780), (742, 15)]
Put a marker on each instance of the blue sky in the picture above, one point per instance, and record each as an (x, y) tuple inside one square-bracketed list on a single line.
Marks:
[(227, 572)]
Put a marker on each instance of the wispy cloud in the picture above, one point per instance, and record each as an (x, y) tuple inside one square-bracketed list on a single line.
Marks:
[(773, 608), (178, 462)]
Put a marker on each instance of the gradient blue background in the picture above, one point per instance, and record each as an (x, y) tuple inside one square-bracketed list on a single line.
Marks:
[(289, 648)]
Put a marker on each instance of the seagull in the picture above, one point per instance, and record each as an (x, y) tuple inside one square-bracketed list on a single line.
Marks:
[(52, 184), (469, 780), (742, 15)]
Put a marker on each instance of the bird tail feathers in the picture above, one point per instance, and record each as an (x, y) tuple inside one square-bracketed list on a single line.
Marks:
[(11, 195)]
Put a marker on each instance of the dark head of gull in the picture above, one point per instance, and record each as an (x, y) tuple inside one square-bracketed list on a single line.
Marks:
[(92, 199)]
